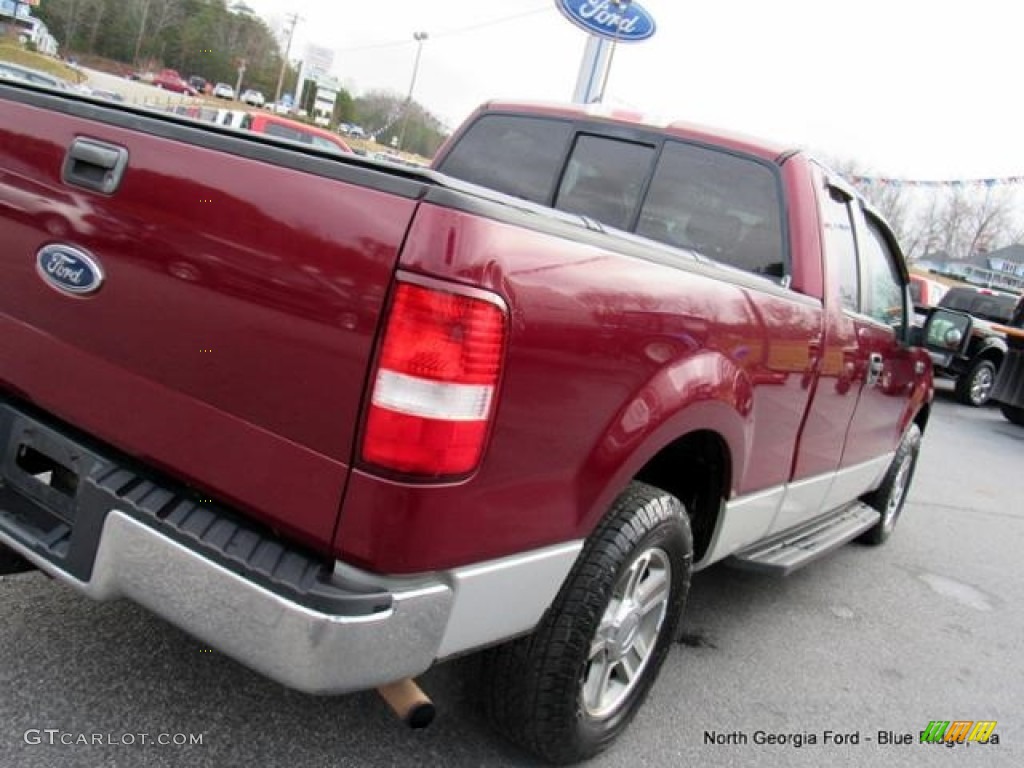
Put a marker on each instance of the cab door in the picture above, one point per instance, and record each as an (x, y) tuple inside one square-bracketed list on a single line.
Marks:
[(885, 362)]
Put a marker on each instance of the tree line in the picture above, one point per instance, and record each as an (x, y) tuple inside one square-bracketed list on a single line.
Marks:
[(212, 39)]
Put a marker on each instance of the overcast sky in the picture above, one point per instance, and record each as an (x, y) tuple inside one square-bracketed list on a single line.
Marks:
[(907, 88)]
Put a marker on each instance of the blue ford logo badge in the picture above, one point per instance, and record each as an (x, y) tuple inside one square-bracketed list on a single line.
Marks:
[(69, 269), (626, 22)]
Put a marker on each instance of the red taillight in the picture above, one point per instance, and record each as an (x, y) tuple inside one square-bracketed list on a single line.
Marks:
[(434, 390)]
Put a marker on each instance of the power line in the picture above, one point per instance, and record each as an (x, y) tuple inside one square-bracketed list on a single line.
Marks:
[(450, 32)]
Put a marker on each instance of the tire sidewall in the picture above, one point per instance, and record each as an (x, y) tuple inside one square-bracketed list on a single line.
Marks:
[(672, 536), (909, 450), (972, 375)]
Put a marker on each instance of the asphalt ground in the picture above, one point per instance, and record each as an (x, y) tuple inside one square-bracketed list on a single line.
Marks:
[(927, 627)]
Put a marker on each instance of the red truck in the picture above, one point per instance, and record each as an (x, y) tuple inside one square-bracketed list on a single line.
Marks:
[(170, 80), (344, 421)]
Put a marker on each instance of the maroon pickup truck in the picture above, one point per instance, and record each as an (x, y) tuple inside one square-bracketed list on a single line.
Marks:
[(343, 421)]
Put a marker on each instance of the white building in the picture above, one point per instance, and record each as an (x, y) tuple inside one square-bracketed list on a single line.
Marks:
[(29, 28)]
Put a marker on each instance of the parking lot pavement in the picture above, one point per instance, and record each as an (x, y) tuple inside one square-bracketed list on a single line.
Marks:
[(862, 643)]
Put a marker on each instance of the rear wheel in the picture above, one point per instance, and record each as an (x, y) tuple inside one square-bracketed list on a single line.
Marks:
[(1013, 413), (891, 495), (975, 386), (569, 689), (12, 562)]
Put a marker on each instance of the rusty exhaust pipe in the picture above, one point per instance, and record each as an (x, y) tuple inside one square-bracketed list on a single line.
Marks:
[(409, 702)]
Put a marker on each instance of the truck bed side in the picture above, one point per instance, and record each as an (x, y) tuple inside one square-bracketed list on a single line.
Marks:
[(243, 285)]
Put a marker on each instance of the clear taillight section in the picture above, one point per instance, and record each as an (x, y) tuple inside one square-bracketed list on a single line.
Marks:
[(434, 389)]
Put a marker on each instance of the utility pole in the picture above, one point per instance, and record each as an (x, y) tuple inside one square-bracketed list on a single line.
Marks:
[(142, 32), (293, 21), (419, 37)]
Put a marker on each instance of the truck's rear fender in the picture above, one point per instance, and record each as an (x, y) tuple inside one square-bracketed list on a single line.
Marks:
[(689, 432)]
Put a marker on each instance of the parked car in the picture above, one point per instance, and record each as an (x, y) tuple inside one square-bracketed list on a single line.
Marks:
[(350, 129), (925, 293), (975, 365), (12, 71), (170, 80), (223, 91), (283, 128), (252, 98), (198, 83)]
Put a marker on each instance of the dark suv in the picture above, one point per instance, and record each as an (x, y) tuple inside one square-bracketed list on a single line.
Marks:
[(975, 367), (1009, 388)]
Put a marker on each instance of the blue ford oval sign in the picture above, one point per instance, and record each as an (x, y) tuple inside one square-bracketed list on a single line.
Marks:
[(69, 269), (625, 22)]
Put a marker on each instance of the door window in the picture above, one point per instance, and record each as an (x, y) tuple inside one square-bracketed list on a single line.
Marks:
[(883, 293), (840, 247)]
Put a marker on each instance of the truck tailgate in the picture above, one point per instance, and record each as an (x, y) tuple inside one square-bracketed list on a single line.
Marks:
[(229, 343)]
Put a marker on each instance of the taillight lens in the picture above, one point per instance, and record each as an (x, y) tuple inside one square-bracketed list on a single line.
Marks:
[(435, 385)]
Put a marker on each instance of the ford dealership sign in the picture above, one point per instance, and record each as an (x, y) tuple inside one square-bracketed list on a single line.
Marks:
[(626, 22)]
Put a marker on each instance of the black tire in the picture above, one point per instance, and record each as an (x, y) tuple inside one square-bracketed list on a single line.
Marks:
[(1013, 414), (891, 495), (540, 689), (11, 562), (975, 386)]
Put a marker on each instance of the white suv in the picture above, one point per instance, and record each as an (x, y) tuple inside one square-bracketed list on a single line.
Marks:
[(252, 98)]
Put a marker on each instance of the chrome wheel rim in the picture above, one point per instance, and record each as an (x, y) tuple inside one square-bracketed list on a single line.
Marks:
[(625, 639), (981, 385), (899, 490)]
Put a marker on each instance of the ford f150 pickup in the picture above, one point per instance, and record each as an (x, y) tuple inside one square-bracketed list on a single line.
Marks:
[(343, 421)]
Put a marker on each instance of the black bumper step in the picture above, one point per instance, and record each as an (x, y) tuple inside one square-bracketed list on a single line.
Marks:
[(64, 524)]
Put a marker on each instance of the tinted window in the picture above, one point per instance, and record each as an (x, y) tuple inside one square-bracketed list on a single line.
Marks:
[(284, 132), (840, 248), (520, 156), (992, 307), (724, 206), (321, 143), (883, 288), (604, 179)]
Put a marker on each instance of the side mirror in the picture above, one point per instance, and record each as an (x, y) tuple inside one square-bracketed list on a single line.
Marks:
[(946, 333)]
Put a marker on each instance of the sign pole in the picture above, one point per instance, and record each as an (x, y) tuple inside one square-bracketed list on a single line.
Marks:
[(607, 23), (593, 71)]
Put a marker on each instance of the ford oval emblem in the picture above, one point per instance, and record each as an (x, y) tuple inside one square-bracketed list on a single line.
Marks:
[(625, 22), (69, 269)]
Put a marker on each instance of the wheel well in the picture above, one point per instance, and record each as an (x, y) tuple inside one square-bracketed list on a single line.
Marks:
[(696, 469), (993, 354)]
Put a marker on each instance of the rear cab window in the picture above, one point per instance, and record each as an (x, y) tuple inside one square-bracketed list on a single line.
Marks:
[(520, 156), (722, 205)]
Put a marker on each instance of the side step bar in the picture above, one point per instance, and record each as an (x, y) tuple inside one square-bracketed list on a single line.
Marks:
[(797, 547)]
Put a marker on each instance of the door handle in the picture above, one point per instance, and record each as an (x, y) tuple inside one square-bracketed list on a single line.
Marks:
[(875, 366), (95, 165)]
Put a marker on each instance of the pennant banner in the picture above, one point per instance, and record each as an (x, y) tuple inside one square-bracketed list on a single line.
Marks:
[(883, 181)]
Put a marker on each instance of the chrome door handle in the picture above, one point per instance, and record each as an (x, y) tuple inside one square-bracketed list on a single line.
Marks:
[(875, 366)]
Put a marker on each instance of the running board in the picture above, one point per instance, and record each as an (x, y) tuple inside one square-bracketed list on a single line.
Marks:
[(796, 548)]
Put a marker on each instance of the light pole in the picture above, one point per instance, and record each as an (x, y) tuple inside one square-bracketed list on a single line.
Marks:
[(419, 37)]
